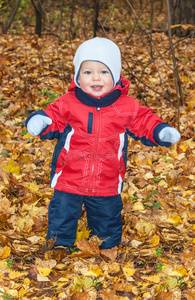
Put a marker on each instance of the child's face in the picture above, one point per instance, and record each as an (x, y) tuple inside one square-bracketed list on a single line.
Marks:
[(95, 78)]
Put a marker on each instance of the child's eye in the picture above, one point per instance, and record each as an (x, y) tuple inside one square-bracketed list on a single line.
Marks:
[(87, 72), (104, 72)]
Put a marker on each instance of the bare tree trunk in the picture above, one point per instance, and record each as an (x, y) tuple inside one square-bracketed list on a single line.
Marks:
[(182, 12), (141, 4), (96, 17), (61, 15), (151, 26), (71, 19), (176, 74), (7, 26), (39, 15), (161, 6)]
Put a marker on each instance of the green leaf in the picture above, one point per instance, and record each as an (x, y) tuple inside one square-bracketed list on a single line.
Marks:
[(156, 179), (24, 132), (147, 198), (157, 205), (5, 153), (10, 263), (154, 192), (159, 251), (159, 267), (132, 198), (166, 159)]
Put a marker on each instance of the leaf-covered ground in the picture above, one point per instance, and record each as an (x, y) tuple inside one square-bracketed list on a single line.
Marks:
[(156, 257)]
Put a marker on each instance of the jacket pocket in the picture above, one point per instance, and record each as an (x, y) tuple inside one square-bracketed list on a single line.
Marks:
[(90, 123)]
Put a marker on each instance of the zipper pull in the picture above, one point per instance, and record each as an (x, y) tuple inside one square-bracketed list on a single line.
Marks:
[(98, 108)]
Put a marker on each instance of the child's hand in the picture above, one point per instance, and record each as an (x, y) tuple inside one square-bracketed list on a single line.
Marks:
[(37, 123), (169, 134)]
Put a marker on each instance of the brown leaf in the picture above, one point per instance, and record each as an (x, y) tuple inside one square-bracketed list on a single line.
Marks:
[(109, 254), (108, 295), (90, 248), (164, 296), (50, 244), (190, 294), (80, 296)]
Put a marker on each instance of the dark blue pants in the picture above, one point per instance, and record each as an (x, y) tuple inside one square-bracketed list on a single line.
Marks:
[(103, 216)]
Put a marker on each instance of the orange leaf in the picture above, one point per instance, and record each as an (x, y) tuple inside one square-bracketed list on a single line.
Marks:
[(164, 296), (109, 254), (89, 247)]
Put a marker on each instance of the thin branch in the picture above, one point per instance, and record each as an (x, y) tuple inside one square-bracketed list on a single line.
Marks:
[(160, 55), (177, 79), (131, 73), (7, 26)]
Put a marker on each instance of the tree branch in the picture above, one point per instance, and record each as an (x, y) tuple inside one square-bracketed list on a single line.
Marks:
[(7, 26)]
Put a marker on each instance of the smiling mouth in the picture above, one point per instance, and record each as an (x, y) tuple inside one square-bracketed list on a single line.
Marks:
[(97, 87)]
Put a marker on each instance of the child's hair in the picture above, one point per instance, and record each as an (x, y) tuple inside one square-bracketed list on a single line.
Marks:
[(102, 50)]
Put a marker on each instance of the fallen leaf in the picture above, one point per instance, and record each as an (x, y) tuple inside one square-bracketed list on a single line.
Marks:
[(90, 248), (109, 254)]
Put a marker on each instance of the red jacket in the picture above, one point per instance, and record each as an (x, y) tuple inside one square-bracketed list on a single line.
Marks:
[(91, 153)]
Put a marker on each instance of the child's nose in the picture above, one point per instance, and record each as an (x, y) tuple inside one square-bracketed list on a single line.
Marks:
[(96, 76)]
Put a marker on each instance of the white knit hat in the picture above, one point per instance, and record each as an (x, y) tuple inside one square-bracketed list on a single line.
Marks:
[(102, 50)]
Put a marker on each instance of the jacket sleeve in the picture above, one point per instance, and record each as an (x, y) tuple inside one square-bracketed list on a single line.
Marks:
[(146, 127), (55, 112)]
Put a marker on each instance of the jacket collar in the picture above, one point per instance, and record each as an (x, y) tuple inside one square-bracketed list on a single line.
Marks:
[(105, 100)]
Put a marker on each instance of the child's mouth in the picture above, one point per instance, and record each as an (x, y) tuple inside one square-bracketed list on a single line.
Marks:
[(97, 87)]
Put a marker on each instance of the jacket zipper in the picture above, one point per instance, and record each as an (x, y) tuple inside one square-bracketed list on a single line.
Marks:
[(94, 152)]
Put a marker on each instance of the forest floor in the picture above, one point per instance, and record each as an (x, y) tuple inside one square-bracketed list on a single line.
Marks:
[(156, 257)]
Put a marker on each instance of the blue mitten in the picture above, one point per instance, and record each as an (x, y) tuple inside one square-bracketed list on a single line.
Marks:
[(169, 134), (37, 123)]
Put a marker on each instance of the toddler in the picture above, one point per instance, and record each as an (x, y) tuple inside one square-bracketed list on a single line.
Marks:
[(92, 122)]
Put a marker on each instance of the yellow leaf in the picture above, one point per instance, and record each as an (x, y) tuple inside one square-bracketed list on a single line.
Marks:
[(179, 272), (11, 168), (82, 232), (186, 79), (187, 26), (94, 272), (86, 282), (152, 278), (172, 282), (155, 240), (60, 266), (25, 159), (49, 263), (174, 153), (138, 206), (27, 136), (21, 293), (25, 224), (176, 25), (136, 159), (128, 272), (149, 162), (43, 271), (163, 183), (174, 219), (26, 282), (4, 252), (15, 274), (144, 228), (184, 147), (3, 266), (42, 278), (33, 187)]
